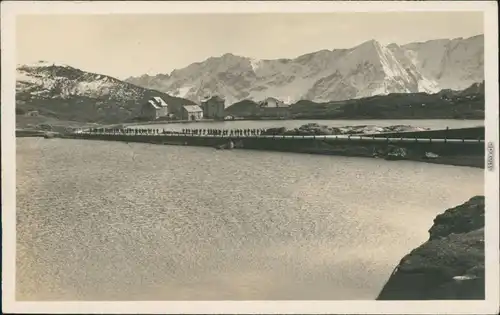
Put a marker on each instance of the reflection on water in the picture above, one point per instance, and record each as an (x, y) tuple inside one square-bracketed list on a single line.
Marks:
[(115, 221)]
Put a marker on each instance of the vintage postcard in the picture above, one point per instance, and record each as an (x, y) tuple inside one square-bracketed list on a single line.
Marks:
[(250, 157)]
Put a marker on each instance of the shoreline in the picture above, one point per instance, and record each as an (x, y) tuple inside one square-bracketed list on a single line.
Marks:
[(276, 119), (442, 153), (67, 125), (456, 147)]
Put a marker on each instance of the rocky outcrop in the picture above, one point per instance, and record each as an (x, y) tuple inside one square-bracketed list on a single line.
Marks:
[(450, 265), (225, 146), (317, 129)]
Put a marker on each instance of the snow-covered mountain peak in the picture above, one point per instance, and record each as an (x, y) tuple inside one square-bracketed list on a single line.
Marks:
[(454, 63), (372, 43), (367, 69)]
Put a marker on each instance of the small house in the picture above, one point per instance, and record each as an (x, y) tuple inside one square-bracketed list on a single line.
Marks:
[(273, 108), (191, 112), (155, 108), (214, 107), (272, 102)]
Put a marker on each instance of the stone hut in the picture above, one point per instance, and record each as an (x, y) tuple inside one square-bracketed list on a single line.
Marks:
[(214, 107), (191, 112), (154, 108)]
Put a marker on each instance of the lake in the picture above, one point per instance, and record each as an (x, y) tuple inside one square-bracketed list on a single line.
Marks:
[(290, 124), (115, 221)]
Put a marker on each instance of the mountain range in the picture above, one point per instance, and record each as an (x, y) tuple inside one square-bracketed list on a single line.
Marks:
[(330, 75), (325, 78)]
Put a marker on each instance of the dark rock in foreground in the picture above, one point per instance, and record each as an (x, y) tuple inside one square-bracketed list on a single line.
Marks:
[(462, 219), (450, 265)]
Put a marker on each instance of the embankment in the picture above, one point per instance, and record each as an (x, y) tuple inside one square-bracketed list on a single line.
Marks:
[(460, 133), (450, 265), (452, 153), (36, 133)]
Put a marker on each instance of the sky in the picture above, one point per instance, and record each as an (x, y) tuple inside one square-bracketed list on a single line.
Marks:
[(131, 45)]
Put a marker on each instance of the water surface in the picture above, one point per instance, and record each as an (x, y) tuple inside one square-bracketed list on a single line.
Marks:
[(115, 221)]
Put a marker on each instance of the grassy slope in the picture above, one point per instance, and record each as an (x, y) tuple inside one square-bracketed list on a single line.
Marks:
[(466, 104), (444, 105), (85, 109), (122, 102)]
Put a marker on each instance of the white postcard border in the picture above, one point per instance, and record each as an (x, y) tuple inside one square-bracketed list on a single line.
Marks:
[(10, 9)]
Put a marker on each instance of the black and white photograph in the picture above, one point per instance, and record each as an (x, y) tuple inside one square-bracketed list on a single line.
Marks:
[(337, 154)]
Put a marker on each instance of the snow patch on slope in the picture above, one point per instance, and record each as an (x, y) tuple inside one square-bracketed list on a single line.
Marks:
[(391, 66), (42, 63), (183, 91), (23, 76), (381, 90), (428, 86), (46, 82), (255, 64)]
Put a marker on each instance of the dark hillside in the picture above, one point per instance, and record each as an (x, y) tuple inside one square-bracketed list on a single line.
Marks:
[(67, 93), (447, 104)]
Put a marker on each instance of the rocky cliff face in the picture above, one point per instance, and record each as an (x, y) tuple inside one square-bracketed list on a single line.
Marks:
[(450, 265), (330, 75), (454, 64)]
